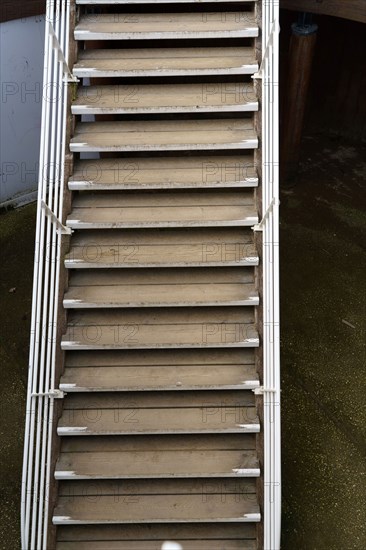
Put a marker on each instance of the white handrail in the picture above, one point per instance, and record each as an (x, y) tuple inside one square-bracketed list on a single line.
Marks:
[(269, 73), (49, 228)]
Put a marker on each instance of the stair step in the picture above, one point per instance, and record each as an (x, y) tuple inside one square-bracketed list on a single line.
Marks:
[(161, 328), (165, 98), (163, 209), (164, 173), (202, 544), (161, 464), (156, 501), (157, 26), (162, 248), (156, 288), (146, 2), (200, 377), (165, 62), (127, 2), (161, 400), (167, 135), (155, 509), (171, 442), (200, 536), (157, 370), (158, 378), (158, 413)]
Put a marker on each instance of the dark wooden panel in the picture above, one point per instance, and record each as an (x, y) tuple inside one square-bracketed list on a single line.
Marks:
[(17, 9), (347, 9), (338, 78)]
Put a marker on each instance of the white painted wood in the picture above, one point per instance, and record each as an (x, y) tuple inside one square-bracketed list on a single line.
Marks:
[(166, 62), (165, 98), (154, 26)]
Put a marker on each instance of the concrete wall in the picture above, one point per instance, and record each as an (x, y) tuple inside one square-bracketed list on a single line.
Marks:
[(21, 63)]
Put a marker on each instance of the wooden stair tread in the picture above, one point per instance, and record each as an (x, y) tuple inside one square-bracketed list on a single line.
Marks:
[(163, 209), (168, 358), (158, 378), (156, 545), (154, 370), (165, 98), (159, 413), (164, 464), (160, 328), (161, 295), (147, 533), (152, 288), (155, 509), (156, 248), (173, 442), (152, 26), (127, 2), (166, 62), (154, 421), (158, 400), (156, 135), (151, 487), (168, 172)]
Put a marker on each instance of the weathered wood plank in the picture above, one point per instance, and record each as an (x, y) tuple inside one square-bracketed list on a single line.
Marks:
[(164, 173), (151, 545), (168, 135), (349, 9), (155, 378), (132, 421), (154, 248), (150, 26), (165, 98), (178, 532), (156, 509), (161, 328), (193, 442), (161, 464), (166, 62), (150, 288)]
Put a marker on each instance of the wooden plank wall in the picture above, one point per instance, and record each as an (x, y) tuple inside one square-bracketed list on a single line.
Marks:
[(336, 99), (18, 9), (348, 9)]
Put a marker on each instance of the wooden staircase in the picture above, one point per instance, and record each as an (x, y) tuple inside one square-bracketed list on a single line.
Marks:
[(160, 431)]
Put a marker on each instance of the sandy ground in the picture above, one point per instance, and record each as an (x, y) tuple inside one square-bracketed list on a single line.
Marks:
[(323, 235)]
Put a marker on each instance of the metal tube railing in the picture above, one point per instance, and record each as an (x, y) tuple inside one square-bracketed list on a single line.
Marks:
[(269, 73), (42, 353)]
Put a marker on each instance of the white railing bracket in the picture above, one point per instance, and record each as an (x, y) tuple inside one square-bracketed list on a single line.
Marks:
[(60, 56), (54, 219), (261, 390), (55, 394), (259, 226)]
